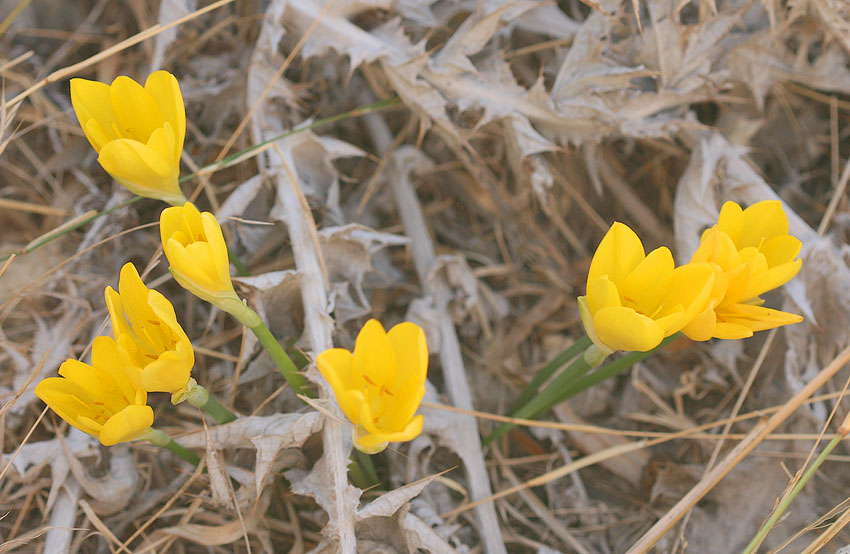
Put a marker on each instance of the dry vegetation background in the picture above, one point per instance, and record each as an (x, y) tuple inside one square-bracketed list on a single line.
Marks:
[(524, 128)]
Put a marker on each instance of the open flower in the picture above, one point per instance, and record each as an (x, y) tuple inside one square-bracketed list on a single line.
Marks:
[(145, 325), (137, 131), (380, 385), (751, 253), (634, 300), (197, 254), (103, 399)]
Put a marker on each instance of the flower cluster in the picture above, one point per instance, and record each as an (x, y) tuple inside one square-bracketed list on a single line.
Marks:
[(150, 353), (751, 253), (138, 132), (634, 300)]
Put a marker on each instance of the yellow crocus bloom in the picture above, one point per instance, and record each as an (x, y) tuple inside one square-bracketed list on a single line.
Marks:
[(197, 254), (751, 253), (137, 131), (103, 399), (144, 323), (380, 385), (634, 300)]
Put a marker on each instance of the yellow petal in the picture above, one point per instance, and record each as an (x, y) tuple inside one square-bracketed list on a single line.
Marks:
[(91, 101), (129, 424), (335, 366), (371, 441), (757, 318), (170, 372), (781, 249), (171, 221), (763, 220), (98, 389), (202, 263), (730, 331), (702, 327), (352, 403), (134, 298), (108, 357), (66, 398), (374, 362), (192, 222), (365, 416), (135, 109), (645, 286), (140, 169), (218, 249), (717, 247), (120, 325), (617, 255), (672, 320), (191, 265), (163, 312), (165, 90), (162, 142), (731, 220), (764, 281), (625, 329), (690, 288), (411, 353), (602, 293)]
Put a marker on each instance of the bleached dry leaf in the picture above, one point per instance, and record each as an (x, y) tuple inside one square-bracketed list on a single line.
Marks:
[(267, 435), (348, 251), (334, 31), (762, 62), (169, 10), (277, 298), (311, 159), (52, 343), (115, 490), (420, 535), (35, 455), (292, 429), (218, 478), (389, 503), (316, 485), (227, 533)]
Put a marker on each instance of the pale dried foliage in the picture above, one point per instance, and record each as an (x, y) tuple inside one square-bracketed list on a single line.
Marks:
[(471, 207)]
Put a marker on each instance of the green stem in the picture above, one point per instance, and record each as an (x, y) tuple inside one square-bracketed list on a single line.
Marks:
[(281, 359), (241, 268), (572, 381), (217, 410), (161, 438), (200, 397), (546, 398), (547, 371), (783, 505), (362, 470), (610, 370)]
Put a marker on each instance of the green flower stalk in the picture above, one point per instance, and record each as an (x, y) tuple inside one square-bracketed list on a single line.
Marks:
[(197, 254)]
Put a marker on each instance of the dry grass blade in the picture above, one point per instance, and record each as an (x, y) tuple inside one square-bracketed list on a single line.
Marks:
[(66, 72), (741, 450)]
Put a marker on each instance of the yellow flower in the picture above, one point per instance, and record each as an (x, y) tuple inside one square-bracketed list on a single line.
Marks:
[(751, 253), (103, 399), (634, 300), (197, 254), (145, 325), (379, 386), (137, 131)]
